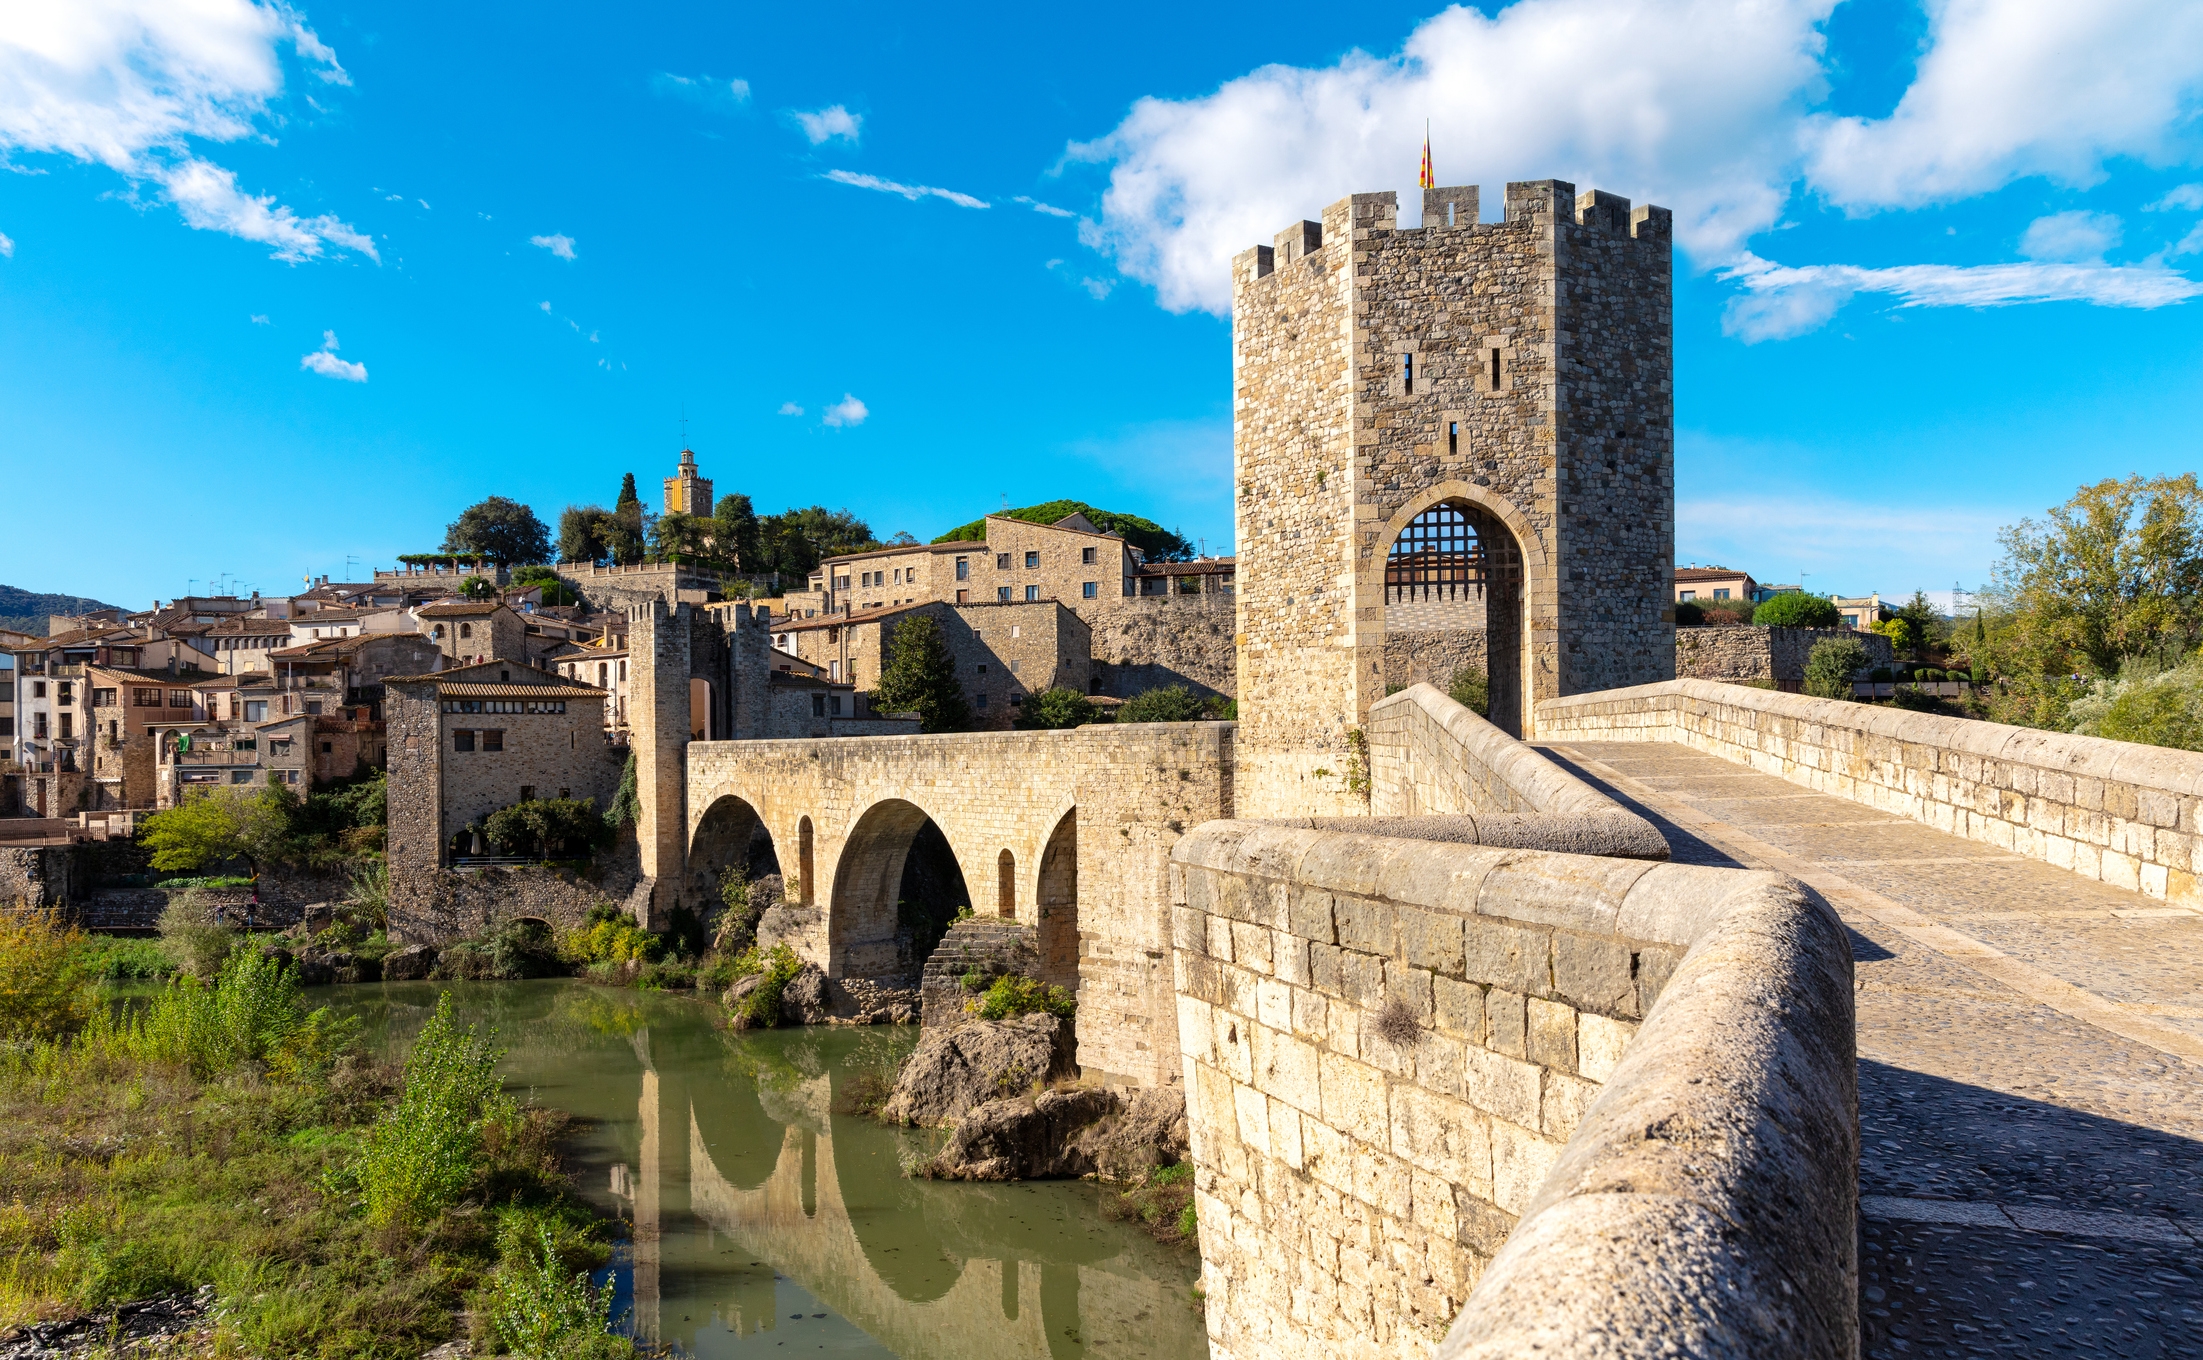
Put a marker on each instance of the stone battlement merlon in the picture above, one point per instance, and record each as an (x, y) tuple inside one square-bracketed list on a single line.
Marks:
[(1455, 209)]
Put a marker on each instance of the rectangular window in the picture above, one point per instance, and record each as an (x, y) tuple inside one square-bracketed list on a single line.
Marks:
[(179, 698), (1086, 556), (462, 739), (1688, 595), (103, 698), (1032, 593), (68, 693), (38, 689), (963, 597), (1032, 559), (527, 793), (982, 668), (38, 726), (325, 748), (1407, 374), (68, 726), (1001, 561), (256, 710), (146, 698), (818, 705), (834, 704), (963, 569), (493, 738), (1453, 436), (240, 776), (979, 701), (1002, 594), (313, 706), (1722, 593), (1091, 590), (7, 727)]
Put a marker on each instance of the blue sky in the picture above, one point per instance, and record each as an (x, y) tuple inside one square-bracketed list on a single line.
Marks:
[(281, 288)]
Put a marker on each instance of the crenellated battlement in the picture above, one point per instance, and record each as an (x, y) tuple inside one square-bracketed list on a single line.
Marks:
[(1527, 203)]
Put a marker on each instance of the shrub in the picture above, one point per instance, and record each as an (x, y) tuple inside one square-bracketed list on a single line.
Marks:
[(41, 975), (2145, 704), (545, 827), (1880, 675), (1689, 614), (627, 803), (371, 892), (1170, 703), (1918, 701), (524, 948), (1220, 709), (249, 1013), (1795, 609), (760, 1009), (1055, 709), (1725, 612), (194, 934), (1831, 664), (609, 935), (116, 958), (1012, 994), (1471, 689), (422, 1153), (537, 1308)]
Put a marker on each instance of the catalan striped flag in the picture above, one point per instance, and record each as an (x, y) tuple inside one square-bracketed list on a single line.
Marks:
[(1429, 180)]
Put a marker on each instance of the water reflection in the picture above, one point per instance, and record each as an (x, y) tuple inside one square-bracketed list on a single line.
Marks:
[(763, 1220)]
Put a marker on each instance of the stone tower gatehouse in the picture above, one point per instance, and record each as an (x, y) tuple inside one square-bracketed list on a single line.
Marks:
[(1461, 432)]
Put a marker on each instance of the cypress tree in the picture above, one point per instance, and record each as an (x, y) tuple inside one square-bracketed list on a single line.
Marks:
[(921, 678)]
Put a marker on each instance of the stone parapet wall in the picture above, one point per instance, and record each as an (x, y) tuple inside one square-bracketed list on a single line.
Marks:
[(1430, 758), (1745, 652), (2121, 813), (1511, 1101)]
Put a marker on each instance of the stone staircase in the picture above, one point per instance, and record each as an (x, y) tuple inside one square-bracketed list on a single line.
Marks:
[(992, 945)]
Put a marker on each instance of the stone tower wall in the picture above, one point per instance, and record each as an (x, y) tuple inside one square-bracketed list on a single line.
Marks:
[(1363, 395)]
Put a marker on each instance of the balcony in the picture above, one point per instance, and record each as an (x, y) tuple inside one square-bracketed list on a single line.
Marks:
[(199, 756)]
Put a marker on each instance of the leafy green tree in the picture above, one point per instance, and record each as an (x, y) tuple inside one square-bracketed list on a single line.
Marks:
[(504, 531), (554, 589), (734, 531), (220, 825), (1795, 609), (546, 827), (1169, 703), (1471, 689), (2146, 704), (679, 536), (477, 588), (2115, 572), (1830, 666), (1155, 542), (581, 533), (920, 678), (1057, 708)]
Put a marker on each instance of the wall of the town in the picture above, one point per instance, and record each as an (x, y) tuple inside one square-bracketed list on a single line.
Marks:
[(1746, 652), (2124, 814), (1445, 1089), (1145, 642)]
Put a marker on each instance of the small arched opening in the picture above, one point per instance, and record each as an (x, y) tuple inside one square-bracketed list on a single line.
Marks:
[(700, 724), (895, 892), (803, 892), (1056, 927), (1005, 884), (1454, 608)]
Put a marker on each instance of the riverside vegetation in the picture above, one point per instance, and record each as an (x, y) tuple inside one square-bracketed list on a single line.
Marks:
[(222, 1137)]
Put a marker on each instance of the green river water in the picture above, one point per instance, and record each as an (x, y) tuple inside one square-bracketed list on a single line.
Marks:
[(765, 1222)]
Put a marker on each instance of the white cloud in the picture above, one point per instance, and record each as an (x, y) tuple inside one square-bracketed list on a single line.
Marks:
[(2189, 196), (2070, 236), (724, 95), (325, 362), (1705, 106), (848, 411), (7, 246), (913, 192), (2013, 88), (2190, 244), (560, 245), (829, 123), (789, 408), (1049, 209), (129, 83), (545, 306), (1848, 547), (1781, 301), (260, 319), (209, 199), (1096, 289)]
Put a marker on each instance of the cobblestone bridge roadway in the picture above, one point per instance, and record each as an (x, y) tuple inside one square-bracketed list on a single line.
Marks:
[(2030, 1068)]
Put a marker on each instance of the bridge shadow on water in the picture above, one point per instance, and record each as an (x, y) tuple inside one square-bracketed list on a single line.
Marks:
[(764, 1219)]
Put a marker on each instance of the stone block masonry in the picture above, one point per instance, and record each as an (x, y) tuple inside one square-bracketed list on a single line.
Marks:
[(1520, 371), (2121, 813), (1745, 652), (1512, 1102)]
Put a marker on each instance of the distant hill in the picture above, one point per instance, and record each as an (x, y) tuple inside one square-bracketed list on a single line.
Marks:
[(1160, 544), (26, 611)]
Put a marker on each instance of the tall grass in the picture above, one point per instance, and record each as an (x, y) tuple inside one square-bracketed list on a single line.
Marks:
[(537, 1307), (421, 1155), (41, 987)]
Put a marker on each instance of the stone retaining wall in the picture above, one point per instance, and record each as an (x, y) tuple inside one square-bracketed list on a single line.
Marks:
[(1512, 1101), (2125, 814), (1745, 652), (1431, 758)]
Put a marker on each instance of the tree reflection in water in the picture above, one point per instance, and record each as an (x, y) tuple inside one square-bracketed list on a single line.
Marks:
[(751, 1199)]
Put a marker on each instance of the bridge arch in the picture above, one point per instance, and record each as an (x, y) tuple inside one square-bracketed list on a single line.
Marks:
[(895, 860), (730, 834)]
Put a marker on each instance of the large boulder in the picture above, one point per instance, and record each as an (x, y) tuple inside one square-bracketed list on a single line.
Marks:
[(1084, 1131), (410, 964), (956, 1070), (804, 1000)]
